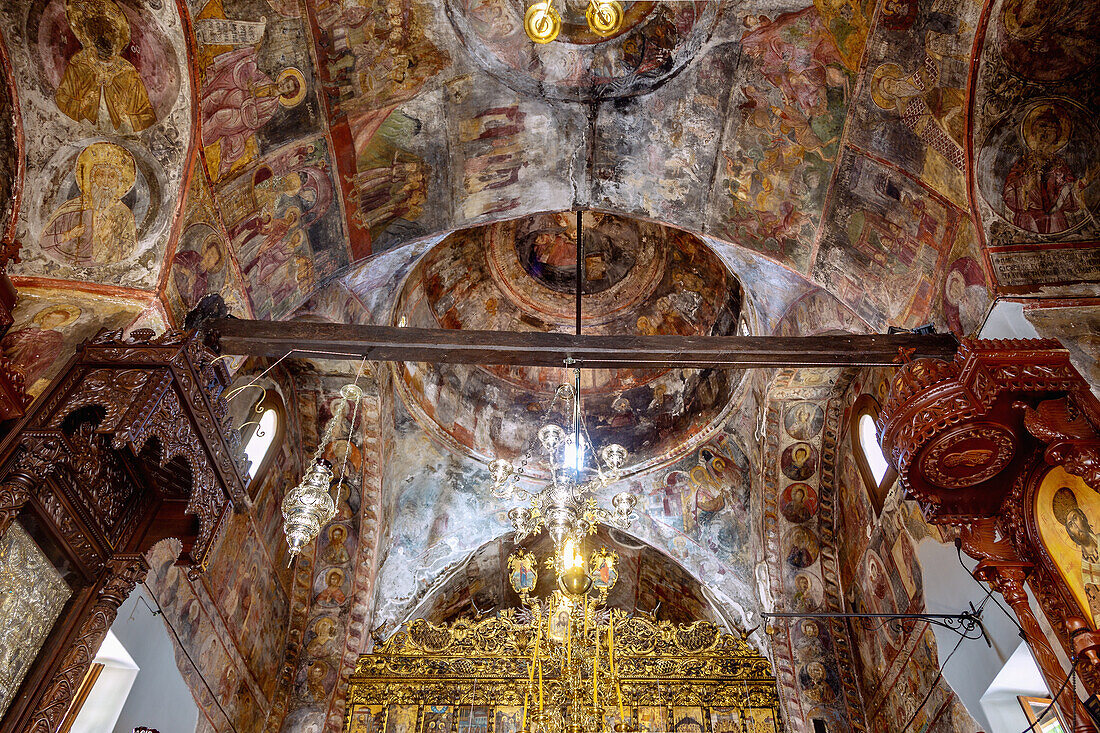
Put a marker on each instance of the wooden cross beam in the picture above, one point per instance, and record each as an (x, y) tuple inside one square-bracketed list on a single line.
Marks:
[(541, 349)]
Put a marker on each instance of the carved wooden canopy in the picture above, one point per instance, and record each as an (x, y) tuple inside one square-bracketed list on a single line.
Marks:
[(130, 445)]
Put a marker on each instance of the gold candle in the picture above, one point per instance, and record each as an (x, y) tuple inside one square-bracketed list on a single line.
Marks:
[(569, 641), (596, 669), (540, 685), (611, 659)]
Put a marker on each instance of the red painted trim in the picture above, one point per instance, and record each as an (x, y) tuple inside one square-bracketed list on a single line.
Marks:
[(8, 79), (189, 160), (341, 146), (1044, 245), (112, 291), (968, 137)]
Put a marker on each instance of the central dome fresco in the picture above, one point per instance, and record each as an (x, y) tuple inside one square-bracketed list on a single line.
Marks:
[(639, 279)]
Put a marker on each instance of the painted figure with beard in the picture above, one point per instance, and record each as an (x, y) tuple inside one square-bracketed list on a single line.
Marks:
[(1041, 190), (1070, 515), (96, 227)]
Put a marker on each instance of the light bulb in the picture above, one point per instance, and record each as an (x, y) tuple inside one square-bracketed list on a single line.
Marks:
[(572, 456)]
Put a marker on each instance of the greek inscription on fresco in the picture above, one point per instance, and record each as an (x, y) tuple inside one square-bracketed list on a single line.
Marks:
[(1035, 267)]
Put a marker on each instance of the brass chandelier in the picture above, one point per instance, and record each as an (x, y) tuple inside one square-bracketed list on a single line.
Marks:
[(542, 22), (574, 637), (566, 505)]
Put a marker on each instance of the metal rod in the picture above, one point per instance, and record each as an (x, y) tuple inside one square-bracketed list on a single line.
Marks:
[(580, 266), (923, 616)]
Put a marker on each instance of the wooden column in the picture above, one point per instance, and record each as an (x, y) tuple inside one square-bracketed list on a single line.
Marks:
[(1007, 578), (125, 571)]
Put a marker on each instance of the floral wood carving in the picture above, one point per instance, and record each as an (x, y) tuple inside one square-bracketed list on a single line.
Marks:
[(124, 573), (977, 399)]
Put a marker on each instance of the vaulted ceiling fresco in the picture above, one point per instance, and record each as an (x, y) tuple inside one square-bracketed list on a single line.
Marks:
[(908, 159), (771, 167)]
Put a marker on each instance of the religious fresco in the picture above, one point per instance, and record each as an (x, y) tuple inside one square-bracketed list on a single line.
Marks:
[(1038, 161), (373, 66), (639, 278), (912, 107), (885, 237), (897, 662), (258, 90), (106, 157), (285, 227), (663, 165), (654, 43), (1077, 326), (782, 144), (697, 512), (795, 524), (1035, 144), (49, 324)]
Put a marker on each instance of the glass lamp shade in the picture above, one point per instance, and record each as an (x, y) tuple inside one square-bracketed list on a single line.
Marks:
[(574, 582), (308, 506)]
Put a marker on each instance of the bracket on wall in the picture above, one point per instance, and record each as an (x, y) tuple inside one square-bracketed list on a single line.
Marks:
[(964, 624)]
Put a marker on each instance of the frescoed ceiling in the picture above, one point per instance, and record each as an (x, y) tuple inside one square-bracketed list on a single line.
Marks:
[(773, 167), (912, 160)]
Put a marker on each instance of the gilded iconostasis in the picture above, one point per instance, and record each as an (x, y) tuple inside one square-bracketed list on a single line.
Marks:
[(769, 167)]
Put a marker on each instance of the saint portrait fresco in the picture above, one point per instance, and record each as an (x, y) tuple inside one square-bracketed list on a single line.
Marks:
[(96, 227), (803, 420), (1037, 165), (798, 502), (202, 269), (97, 75), (801, 548), (965, 296), (105, 63), (1068, 515), (799, 461)]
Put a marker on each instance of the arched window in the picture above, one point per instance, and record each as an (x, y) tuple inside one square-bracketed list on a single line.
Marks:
[(877, 474), (262, 435)]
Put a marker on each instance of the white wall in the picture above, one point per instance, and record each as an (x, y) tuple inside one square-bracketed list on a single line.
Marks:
[(159, 698), (1020, 676), (948, 588)]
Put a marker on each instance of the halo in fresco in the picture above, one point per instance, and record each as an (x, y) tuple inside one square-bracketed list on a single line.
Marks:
[(1038, 167), (101, 202), (97, 55), (799, 461), (657, 40), (803, 420)]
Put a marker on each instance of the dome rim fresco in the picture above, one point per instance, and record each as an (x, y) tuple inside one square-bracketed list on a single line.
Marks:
[(672, 447)]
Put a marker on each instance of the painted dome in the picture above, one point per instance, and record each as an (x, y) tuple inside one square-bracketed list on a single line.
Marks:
[(639, 279)]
